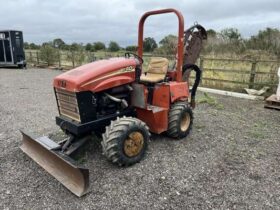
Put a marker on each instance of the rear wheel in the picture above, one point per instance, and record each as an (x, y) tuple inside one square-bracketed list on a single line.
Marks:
[(180, 120), (125, 141)]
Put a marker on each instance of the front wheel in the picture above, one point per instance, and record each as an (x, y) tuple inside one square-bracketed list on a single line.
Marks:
[(180, 120), (125, 141)]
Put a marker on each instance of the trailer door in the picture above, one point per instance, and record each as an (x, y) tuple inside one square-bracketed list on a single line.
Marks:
[(6, 48), (2, 52)]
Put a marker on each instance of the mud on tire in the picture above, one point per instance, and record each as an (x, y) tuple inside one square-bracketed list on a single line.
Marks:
[(125, 141), (180, 120)]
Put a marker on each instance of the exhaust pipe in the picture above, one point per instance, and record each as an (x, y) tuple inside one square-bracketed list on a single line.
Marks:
[(46, 153)]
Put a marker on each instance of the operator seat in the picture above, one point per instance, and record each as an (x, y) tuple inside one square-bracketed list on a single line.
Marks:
[(156, 70)]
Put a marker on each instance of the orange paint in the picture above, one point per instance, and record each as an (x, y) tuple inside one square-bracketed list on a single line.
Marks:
[(161, 96), (180, 43), (157, 120), (179, 91), (86, 77)]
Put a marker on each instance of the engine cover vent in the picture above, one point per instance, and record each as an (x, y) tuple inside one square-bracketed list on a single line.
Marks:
[(67, 104)]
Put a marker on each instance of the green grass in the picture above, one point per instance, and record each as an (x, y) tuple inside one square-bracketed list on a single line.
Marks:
[(212, 101), (257, 131)]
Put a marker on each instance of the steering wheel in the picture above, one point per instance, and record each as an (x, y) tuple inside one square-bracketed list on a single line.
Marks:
[(129, 55)]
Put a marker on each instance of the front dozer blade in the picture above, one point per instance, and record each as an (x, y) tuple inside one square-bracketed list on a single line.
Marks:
[(44, 152)]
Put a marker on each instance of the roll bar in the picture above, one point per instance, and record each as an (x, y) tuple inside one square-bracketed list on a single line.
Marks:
[(180, 47)]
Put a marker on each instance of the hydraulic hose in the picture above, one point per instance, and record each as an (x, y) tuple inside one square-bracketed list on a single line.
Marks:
[(122, 101), (198, 72)]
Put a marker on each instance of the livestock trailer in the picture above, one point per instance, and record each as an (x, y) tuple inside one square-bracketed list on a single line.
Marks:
[(11, 49)]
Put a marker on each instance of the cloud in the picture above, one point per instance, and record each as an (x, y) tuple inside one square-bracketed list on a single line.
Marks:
[(97, 20)]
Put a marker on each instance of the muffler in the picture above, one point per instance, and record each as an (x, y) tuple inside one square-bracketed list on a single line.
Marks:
[(47, 154)]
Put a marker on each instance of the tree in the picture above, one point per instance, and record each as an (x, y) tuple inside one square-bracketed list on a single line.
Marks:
[(89, 47), (131, 48), (33, 46), (26, 45), (211, 33), (229, 40), (232, 34), (58, 43), (168, 45), (99, 46), (113, 46), (48, 54), (268, 40), (168, 40), (65, 47), (149, 44), (47, 44), (75, 46), (76, 54)]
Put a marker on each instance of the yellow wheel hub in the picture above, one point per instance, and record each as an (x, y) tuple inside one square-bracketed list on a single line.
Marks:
[(133, 144), (185, 122)]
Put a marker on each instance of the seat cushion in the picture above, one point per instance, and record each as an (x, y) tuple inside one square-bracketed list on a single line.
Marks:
[(156, 70), (152, 78), (158, 65)]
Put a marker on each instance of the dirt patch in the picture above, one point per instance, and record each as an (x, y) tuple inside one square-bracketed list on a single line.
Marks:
[(231, 160)]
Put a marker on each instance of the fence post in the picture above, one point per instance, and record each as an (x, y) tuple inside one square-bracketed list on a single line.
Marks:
[(30, 55), (37, 56), (59, 59), (73, 59), (92, 57), (252, 74)]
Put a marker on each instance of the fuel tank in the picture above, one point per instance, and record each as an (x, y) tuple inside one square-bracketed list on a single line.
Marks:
[(97, 76)]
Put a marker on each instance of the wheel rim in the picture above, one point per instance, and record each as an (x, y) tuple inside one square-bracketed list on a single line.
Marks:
[(133, 144), (185, 122)]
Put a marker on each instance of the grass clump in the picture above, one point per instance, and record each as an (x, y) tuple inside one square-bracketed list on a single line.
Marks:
[(210, 100)]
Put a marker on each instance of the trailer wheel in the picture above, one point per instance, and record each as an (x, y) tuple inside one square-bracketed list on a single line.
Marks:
[(125, 141), (180, 120)]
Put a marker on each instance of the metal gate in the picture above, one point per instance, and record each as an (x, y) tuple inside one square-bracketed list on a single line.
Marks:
[(6, 56)]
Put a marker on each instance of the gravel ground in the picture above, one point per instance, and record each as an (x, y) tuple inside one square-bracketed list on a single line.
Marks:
[(230, 160)]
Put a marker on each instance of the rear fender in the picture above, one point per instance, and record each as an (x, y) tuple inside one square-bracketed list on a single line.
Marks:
[(179, 91)]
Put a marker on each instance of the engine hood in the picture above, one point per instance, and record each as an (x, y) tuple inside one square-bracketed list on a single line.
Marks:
[(98, 75)]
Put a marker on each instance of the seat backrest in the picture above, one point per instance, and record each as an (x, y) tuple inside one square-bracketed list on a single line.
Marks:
[(158, 65)]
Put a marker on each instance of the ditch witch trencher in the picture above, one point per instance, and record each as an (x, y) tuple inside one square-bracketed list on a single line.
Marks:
[(115, 97)]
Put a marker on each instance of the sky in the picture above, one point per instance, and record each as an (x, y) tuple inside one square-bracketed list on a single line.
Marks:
[(85, 21)]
